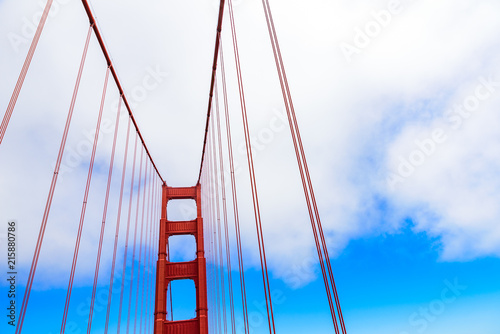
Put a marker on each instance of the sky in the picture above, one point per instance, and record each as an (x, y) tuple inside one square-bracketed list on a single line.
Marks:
[(397, 105)]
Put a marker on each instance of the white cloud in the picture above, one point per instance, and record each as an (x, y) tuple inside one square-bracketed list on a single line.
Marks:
[(356, 118)]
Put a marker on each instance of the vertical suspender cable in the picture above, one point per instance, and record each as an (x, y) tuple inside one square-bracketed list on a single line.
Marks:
[(84, 206), (135, 241), (125, 252), (224, 210), (302, 162), (144, 263), (255, 199), (214, 232), (48, 205), (105, 210), (127, 233), (208, 235), (148, 266), (117, 232), (149, 263), (218, 227), (234, 196), (154, 248), (24, 71)]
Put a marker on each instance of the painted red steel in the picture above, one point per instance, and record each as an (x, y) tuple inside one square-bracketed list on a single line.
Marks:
[(169, 271)]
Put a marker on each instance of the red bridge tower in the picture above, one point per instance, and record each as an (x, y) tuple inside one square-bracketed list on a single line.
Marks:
[(170, 271)]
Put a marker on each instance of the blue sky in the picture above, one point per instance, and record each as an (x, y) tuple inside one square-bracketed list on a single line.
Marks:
[(397, 106), (382, 282)]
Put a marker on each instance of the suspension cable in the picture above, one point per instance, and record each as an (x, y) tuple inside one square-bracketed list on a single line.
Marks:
[(48, 204), (117, 231), (303, 167), (212, 81), (144, 263), (106, 55), (219, 230), (105, 211), (84, 206), (127, 233), (234, 195), (218, 279), (224, 210), (151, 269), (24, 71), (132, 276), (253, 183)]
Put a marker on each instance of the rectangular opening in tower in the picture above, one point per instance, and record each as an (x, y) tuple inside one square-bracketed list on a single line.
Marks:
[(181, 210)]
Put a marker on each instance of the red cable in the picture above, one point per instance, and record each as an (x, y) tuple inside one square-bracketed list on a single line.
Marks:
[(210, 291), (224, 209), (148, 223), (219, 231), (302, 158), (316, 239), (205, 194), (255, 199), (313, 223), (107, 56), (315, 233), (212, 81), (311, 190), (151, 263), (105, 210), (24, 71), (234, 196), (208, 223), (84, 206), (146, 263), (217, 311), (154, 247), (110, 293), (125, 252), (139, 269), (48, 205), (135, 241), (214, 238)]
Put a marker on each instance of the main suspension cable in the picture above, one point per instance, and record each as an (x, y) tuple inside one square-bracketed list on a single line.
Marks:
[(106, 55), (212, 82)]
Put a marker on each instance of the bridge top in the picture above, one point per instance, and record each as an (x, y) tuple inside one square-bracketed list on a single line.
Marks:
[(182, 192)]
